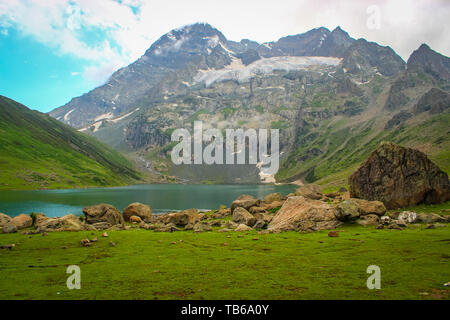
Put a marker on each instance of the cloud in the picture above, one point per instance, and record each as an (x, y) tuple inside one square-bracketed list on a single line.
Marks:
[(404, 24), (69, 26), (109, 34)]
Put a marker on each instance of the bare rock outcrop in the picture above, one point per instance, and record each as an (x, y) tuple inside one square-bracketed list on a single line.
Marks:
[(399, 177)]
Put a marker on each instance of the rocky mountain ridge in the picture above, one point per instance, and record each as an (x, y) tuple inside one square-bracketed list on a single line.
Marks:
[(332, 98)]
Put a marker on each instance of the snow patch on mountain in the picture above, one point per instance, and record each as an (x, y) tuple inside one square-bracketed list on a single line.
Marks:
[(241, 73)]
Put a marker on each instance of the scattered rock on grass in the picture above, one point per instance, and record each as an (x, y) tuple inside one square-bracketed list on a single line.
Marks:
[(333, 234)]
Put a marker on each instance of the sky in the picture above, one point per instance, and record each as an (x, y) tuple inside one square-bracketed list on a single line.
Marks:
[(54, 50)]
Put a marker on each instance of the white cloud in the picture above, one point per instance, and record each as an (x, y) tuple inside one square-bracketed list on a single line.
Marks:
[(126, 28)]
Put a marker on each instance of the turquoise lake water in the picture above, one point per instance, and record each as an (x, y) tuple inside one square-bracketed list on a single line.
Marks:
[(161, 197)]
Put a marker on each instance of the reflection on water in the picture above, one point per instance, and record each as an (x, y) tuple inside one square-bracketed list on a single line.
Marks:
[(161, 197)]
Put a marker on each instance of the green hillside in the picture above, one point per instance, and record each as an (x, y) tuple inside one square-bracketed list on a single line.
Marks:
[(39, 152)]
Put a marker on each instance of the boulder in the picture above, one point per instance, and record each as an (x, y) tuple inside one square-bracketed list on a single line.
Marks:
[(264, 217), (170, 227), (399, 177), (9, 228), (135, 219), (369, 219), (103, 213), (67, 223), (39, 218), (143, 211), (259, 224), (242, 227), (242, 216), (183, 218), (202, 226), (230, 225), (22, 221), (304, 214), (244, 201), (273, 197), (352, 209), (254, 210), (310, 191), (221, 213), (4, 219)]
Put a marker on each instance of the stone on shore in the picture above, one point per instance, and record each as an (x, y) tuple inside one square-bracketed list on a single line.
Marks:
[(273, 197), (242, 227), (103, 213), (242, 216), (140, 210), (4, 219), (399, 177), (182, 218), (352, 209), (310, 191), (9, 228), (302, 214), (66, 223), (245, 201), (22, 221)]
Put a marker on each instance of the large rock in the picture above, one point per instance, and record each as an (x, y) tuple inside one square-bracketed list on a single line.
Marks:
[(370, 219), (143, 211), (4, 219), (22, 221), (9, 228), (183, 218), (103, 213), (67, 223), (242, 216), (399, 177), (245, 201), (273, 197), (39, 218), (202, 226), (242, 227), (310, 191), (352, 209), (303, 214)]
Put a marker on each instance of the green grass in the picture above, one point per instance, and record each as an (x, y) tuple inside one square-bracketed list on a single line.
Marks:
[(146, 265), (37, 152)]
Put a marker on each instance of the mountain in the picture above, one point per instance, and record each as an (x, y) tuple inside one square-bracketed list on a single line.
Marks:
[(333, 98), (431, 62), (39, 152)]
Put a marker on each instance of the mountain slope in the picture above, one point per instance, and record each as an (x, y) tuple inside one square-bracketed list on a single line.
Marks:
[(39, 152), (332, 97)]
